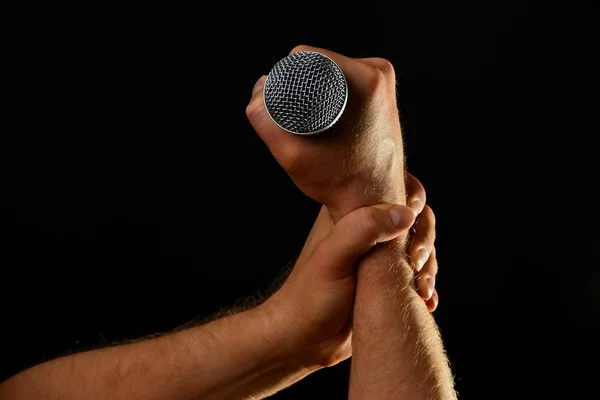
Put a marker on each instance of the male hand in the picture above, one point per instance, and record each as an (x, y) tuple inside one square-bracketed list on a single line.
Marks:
[(359, 161), (311, 314), (313, 308), (421, 251)]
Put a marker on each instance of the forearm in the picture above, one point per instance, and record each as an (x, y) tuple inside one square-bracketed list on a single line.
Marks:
[(232, 357), (397, 349), (396, 346)]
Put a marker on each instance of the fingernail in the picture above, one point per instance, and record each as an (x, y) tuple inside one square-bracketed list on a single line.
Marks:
[(422, 256), (430, 284), (415, 205), (400, 216), (426, 287), (435, 296), (257, 86), (422, 287)]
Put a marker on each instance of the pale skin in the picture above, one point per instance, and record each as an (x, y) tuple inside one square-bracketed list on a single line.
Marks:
[(397, 350), (260, 351)]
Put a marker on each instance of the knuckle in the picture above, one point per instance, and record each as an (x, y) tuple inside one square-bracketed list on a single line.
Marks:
[(420, 245), (419, 191), (386, 67), (292, 159), (299, 48), (426, 241), (255, 109), (427, 244), (374, 78), (250, 110)]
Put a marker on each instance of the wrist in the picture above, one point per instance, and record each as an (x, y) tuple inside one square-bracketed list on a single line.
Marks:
[(387, 268)]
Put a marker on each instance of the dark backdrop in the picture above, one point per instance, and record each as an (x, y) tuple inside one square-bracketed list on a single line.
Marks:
[(145, 199)]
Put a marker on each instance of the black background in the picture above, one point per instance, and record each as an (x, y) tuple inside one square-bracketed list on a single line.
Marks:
[(145, 199)]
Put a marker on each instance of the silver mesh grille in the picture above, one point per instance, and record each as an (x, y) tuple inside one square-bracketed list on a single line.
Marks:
[(305, 93)]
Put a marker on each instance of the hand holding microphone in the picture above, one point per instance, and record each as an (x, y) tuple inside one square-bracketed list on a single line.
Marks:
[(356, 162)]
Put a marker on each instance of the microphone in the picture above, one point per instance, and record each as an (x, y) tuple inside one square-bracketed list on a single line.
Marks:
[(305, 93)]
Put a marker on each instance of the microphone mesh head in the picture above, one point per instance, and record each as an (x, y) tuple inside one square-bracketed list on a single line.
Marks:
[(305, 93)]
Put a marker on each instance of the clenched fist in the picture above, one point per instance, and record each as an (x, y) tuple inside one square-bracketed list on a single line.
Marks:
[(358, 162)]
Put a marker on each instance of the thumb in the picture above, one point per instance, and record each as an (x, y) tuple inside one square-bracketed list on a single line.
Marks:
[(283, 145), (355, 234)]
